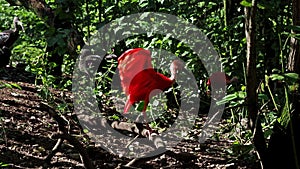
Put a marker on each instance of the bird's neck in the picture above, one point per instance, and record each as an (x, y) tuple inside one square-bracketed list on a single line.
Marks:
[(173, 77), (15, 27), (173, 72)]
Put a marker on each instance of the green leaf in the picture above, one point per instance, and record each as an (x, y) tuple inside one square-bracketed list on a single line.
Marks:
[(268, 133), (5, 85), (114, 117), (290, 78), (16, 86), (227, 98), (140, 106), (294, 77), (260, 6), (294, 28), (242, 95), (108, 9), (262, 96), (12, 85), (285, 115), (246, 3), (277, 77), (143, 3), (3, 164)]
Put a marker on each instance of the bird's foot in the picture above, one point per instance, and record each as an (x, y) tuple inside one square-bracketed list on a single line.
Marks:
[(149, 131)]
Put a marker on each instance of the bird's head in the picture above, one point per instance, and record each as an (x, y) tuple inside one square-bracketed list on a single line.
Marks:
[(176, 66), (17, 21)]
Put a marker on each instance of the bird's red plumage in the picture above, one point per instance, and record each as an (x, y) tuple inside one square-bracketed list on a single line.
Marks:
[(218, 78), (138, 78), (130, 63), (146, 82)]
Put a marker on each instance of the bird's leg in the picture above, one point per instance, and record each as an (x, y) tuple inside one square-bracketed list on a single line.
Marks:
[(146, 118), (144, 111), (146, 121), (127, 105)]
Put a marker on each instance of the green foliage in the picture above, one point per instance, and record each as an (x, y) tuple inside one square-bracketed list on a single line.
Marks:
[(3, 164), (10, 85), (246, 3), (31, 42), (114, 117), (223, 26)]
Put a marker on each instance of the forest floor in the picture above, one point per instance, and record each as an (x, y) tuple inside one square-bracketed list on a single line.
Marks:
[(26, 129)]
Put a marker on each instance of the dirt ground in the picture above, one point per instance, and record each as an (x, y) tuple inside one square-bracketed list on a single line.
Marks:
[(26, 129)]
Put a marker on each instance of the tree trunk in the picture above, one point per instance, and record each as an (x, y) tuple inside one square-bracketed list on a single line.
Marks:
[(270, 59), (294, 56), (254, 120), (283, 148), (56, 21), (294, 66)]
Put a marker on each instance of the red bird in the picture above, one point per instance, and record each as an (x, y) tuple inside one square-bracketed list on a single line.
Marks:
[(218, 79), (139, 80)]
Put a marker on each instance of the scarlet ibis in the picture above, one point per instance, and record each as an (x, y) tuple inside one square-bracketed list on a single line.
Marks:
[(7, 39), (140, 81), (219, 78)]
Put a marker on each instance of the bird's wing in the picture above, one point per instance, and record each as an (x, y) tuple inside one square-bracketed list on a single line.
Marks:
[(130, 63), (3, 38), (218, 78)]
